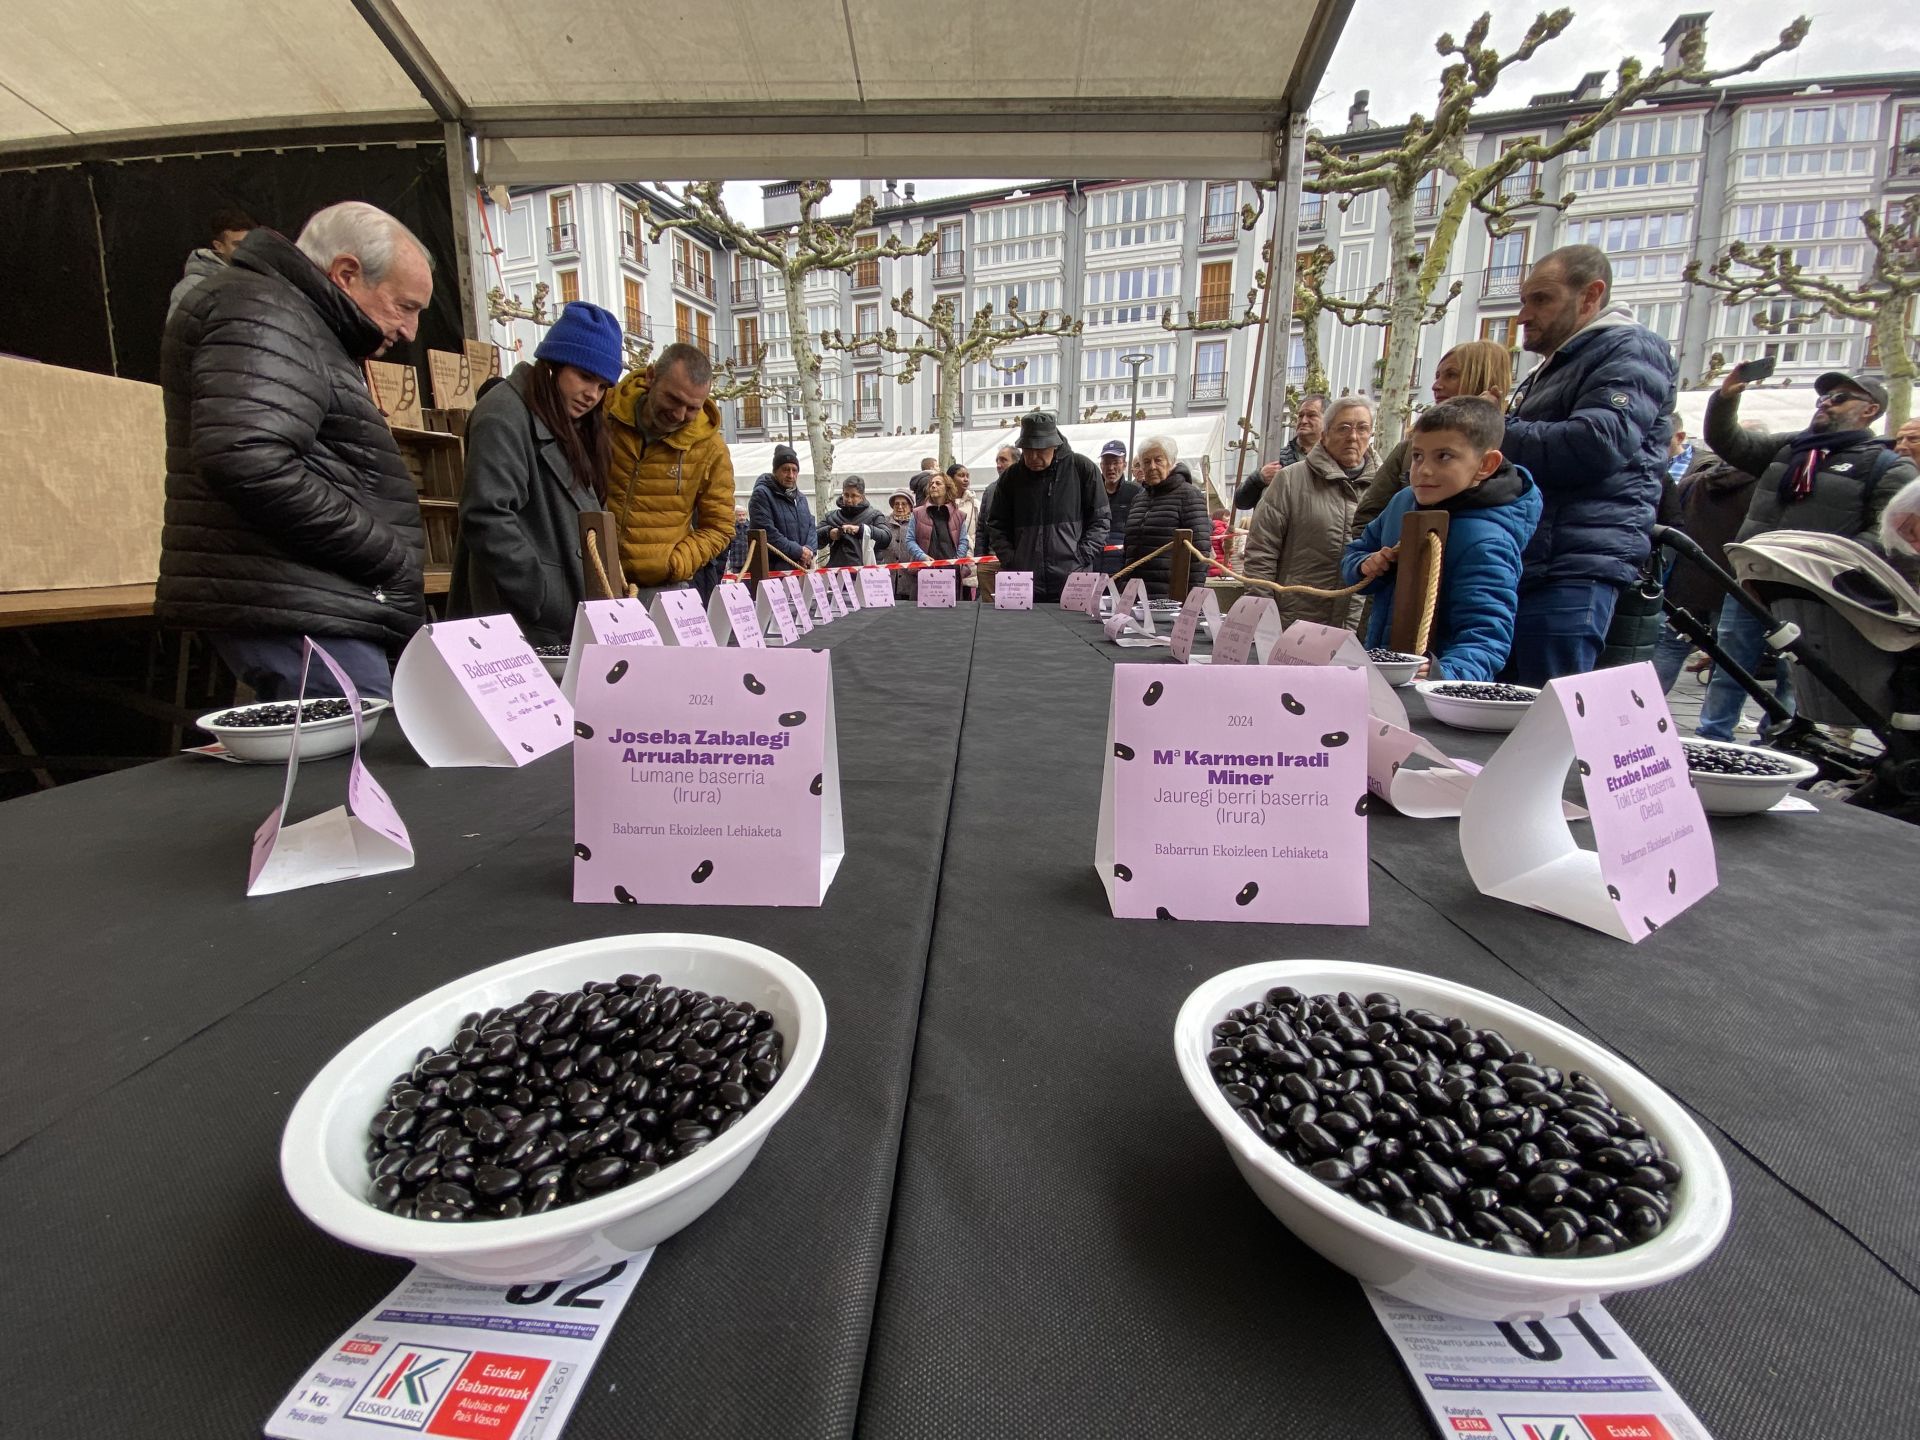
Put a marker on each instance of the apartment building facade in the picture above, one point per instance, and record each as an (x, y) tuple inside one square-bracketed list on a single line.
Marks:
[(1672, 181)]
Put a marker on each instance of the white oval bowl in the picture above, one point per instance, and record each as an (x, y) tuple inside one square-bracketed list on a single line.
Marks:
[(1473, 714), (554, 665), (1747, 794), (1397, 672), (272, 744), (1440, 1274), (323, 1149)]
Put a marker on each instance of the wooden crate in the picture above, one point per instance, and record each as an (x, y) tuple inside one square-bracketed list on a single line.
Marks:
[(436, 460), (441, 519)]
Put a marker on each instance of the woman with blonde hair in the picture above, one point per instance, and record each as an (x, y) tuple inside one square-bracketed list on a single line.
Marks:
[(1474, 367)]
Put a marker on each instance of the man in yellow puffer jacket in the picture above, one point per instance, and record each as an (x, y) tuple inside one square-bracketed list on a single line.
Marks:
[(670, 488)]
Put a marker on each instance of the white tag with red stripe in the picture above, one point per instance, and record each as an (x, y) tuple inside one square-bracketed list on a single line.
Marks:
[(456, 1358)]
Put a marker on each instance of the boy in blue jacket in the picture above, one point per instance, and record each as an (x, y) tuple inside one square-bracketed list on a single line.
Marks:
[(1455, 463)]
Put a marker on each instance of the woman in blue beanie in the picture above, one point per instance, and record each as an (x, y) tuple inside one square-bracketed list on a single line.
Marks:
[(537, 455)]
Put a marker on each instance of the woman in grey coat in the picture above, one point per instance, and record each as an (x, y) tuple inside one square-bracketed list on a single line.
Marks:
[(537, 456)]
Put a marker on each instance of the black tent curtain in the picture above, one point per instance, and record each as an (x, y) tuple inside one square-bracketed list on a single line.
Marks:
[(90, 252)]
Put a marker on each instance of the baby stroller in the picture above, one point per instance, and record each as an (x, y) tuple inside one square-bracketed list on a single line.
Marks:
[(1851, 624)]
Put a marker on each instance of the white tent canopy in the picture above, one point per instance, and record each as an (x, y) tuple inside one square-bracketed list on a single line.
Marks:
[(634, 89), (888, 462)]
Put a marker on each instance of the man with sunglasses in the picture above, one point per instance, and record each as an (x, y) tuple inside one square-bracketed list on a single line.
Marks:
[(1834, 477)]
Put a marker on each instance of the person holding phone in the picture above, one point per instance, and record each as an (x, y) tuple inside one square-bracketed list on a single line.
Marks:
[(1834, 477)]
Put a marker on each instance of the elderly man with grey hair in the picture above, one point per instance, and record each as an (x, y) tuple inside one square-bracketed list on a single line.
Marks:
[(289, 510), (1304, 520)]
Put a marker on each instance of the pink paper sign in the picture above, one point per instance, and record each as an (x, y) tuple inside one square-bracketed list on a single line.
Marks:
[(1653, 855), (1656, 855), (936, 590), (779, 606), (1235, 794), (1201, 607), (1252, 625), (367, 837), (681, 616), (733, 606), (843, 586), (797, 598), (876, 587), (606, 622), (705, 777), (472, 692), (1013, 590), (1132, 612), (824, 609), (1082, 592)]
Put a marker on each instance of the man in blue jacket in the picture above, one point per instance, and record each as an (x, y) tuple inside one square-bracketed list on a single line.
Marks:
[(1591, 425), (779, 508)]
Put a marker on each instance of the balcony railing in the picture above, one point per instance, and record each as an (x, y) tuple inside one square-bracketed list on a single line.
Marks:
[(1501, 280), (866, 275), (950, 265), (1218, 228), (639, 327), (1520, 185), (1215, 307), (1904, 163), (1313, 213), (868, 412), (1209, 387), (630, 245), (1426, 204), (746, 292), (687, 277), (563, 239)]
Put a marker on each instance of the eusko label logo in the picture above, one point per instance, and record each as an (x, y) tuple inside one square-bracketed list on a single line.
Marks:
[(407, 1385)]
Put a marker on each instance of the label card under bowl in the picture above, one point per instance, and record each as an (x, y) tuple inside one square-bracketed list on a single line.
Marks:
[(706, 777), (1013, 590), (606, 622), (1082, 592), (824, 609), (1235, 793), (731, 616), (1653, 857), (472, 692), (797, 601), (1306, 643), (682, 618), (937, 591), (457, 1358), (1201, 607), (363, 837), (1251, 625), (876, 587), (1576, 1378)]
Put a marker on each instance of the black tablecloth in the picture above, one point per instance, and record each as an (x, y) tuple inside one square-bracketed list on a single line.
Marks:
[(1074, 1254), (159, 1282), (1042, 1236)]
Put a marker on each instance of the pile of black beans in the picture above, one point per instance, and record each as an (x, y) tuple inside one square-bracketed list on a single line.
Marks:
[(565, 1097), (1712, 760), (261, 717), (1443, 1126), (1391, 657), (1472, 690), (553, 652)]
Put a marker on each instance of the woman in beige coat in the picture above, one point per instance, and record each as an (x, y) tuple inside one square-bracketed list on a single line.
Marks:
[(1304, 520)]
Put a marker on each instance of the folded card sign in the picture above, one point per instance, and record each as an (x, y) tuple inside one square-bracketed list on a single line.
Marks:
[(705, 777), (1013, 590), (1201, 607), (1082, 591), (876, 587), (731, 616), (681, 617), (605, 622), (1235, 793), (1653, 855), (363, 837), (936, 590), (472, 692)]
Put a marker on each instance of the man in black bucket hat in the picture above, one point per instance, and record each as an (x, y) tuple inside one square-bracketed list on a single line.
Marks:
[(1049, 509)]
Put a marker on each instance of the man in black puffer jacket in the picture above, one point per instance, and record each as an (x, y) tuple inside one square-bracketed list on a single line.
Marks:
[(1591, 426), (1169, 501), (289, 510), (1049, 509)]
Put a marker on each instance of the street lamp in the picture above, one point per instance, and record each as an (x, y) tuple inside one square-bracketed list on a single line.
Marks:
[(1133, 362)]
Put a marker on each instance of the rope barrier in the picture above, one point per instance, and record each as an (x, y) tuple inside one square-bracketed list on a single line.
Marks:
[(599, 568)]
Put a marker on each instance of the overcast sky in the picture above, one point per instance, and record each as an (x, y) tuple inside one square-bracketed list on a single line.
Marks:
[(1387, 49)]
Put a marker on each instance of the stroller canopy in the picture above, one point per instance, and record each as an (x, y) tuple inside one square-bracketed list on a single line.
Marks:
[(1854, 582)]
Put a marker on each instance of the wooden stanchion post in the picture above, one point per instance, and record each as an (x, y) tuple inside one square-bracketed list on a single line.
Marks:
[(1410, 578), (757, 559), (1178, 580)]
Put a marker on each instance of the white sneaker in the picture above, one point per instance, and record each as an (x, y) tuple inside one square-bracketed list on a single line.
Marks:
[(1748, 726)]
